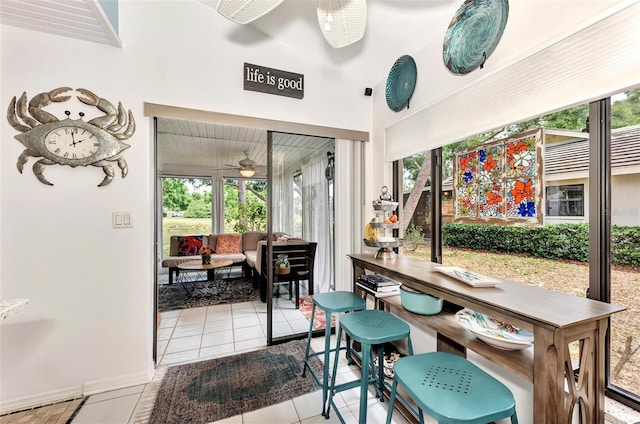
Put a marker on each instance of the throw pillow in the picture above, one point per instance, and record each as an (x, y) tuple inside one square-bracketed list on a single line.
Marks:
[(229, 243), (189, 245)]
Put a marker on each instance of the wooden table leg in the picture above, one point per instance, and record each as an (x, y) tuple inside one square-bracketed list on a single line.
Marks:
[(559, 392)]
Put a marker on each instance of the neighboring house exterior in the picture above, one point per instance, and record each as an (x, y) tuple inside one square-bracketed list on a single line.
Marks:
[(566, 178)]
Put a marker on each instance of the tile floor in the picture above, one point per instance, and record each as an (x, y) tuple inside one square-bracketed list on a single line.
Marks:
[(208, 332), (133, 405)]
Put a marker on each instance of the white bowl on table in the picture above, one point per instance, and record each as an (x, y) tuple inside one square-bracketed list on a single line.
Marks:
[(493, 332)]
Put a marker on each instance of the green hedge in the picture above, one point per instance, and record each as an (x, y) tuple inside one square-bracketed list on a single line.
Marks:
[(557, 241)]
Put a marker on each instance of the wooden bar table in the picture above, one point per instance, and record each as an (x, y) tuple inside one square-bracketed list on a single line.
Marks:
[(556, 320)]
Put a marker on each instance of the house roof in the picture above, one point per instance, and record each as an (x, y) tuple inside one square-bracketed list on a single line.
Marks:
[(573, 156)]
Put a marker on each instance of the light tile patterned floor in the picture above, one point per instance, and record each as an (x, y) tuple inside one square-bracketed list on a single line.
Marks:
[(214, 331)]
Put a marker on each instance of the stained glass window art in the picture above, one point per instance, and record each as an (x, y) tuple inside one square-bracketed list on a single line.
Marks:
[(467, 201), (491, 163), (501, 181), (491, 202), (521, 157), (521, 198), (467, 165)]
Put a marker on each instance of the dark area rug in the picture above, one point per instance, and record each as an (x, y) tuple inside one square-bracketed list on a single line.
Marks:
[(232, 290), (212, 390)]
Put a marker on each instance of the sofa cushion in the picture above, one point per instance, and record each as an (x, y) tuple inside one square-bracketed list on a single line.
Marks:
[(174, 261), (251, 257), (234, 257), (250, 240), (189, 245), (229, 243)]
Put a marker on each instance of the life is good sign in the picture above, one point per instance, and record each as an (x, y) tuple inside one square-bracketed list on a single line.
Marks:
[(273, 81)]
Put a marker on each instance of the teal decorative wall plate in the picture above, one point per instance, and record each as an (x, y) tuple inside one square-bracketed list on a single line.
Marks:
[(473, 34), (401, 82)]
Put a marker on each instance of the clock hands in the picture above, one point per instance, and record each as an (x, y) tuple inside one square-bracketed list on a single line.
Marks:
[(74, 142)]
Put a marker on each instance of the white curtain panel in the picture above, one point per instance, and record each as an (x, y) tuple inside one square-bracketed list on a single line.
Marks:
[(285, 211), (217, 204), (348, 209), (315, 226)]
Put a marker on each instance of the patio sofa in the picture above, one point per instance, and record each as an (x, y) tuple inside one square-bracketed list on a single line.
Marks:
[(233, 246)]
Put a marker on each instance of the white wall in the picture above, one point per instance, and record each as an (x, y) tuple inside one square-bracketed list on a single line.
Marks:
[(89, 324), (625, 199), (551, 55)]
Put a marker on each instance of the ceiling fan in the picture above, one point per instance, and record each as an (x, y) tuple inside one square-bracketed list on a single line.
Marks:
[(342, 22), (247, 167)]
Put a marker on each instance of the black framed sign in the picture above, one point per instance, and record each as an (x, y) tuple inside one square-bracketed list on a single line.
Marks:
[(273, 81)]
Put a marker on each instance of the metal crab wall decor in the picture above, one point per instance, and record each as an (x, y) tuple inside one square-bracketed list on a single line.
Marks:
[(71, 142)]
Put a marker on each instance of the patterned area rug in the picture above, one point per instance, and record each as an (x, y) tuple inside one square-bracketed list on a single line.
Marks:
[(212, 390), (319, 320), (233, 290)]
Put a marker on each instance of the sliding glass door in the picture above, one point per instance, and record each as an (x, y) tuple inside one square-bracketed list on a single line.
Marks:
[(299, 252)]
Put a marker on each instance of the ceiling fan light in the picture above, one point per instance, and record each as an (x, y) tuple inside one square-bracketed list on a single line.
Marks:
[(247, 172), (245, 11), (343, 21)]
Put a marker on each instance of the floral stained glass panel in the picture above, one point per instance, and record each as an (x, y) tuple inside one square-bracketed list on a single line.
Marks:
[(521, 200), (521, 157), (491, 201), (467, 201), (490, 163), (467, 165), (501, 181)]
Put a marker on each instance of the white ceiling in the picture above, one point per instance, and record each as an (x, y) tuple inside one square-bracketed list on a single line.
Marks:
[(81, 19), (394, 28), (187, 148)]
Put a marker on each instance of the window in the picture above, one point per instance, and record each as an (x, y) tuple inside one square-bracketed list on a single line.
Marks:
[(566, 192), (565, 200)]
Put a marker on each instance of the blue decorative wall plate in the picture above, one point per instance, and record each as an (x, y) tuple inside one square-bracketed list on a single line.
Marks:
[(473, 34), (401, 82)]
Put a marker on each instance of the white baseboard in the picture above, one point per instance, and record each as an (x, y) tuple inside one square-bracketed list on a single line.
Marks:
[(107, 384), (86, 389)]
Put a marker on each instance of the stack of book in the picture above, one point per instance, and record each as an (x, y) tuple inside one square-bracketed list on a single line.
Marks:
[(379, 284)]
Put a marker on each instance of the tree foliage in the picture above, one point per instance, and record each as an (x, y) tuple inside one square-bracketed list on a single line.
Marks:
[(175, 195), (250, 215), (199, 208)]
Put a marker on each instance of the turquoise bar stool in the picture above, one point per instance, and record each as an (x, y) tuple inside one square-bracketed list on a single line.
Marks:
[(451, 390), (331, 303), (372, 327)]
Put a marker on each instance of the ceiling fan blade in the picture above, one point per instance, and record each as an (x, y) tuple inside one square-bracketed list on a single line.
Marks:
[(342, 22), (245, 11)]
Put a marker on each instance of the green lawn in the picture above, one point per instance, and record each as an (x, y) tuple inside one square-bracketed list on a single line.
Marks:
[(182, 226)]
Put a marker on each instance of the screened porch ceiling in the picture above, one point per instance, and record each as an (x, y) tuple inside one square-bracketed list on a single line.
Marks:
[(188, 148)]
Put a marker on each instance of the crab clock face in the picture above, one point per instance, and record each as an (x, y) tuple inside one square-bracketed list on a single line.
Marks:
[(71, 143)]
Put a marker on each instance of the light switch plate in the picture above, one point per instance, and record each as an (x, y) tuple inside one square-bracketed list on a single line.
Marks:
[(122, 219)]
